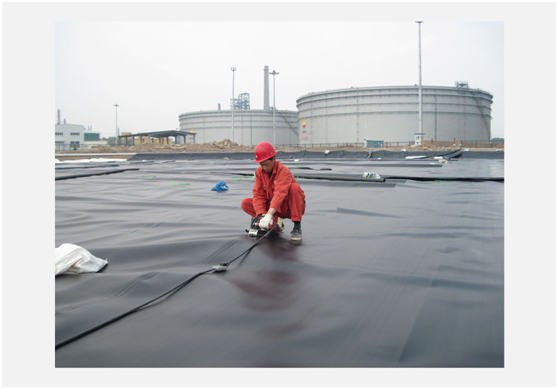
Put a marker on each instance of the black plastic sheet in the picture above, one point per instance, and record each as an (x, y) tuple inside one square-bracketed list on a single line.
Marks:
[(319, 155), (403, 275)]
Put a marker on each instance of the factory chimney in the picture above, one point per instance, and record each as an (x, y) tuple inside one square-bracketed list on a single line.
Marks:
[(58, 117), (266, 88)]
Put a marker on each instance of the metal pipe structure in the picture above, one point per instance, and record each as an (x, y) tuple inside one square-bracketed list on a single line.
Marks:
[(420, 84), (233, 68), (274, 73), (266, 88), (117, 134)]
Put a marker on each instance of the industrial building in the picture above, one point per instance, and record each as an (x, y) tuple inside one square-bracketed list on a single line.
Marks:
[(75, 136), (251, 126), (391, 114), (162, 137), (68, 136)]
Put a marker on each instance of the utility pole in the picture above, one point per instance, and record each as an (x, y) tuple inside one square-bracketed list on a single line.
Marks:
[(117, 132), (273, 73), (420, 84), (233, 68)]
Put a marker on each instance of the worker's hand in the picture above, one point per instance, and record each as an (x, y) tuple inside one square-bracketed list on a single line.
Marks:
[(266, 221)]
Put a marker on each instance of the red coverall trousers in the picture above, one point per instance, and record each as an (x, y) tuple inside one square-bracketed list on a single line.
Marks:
[(292, 207)]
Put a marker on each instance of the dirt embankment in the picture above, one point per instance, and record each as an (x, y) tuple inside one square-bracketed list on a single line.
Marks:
[(229, 146)]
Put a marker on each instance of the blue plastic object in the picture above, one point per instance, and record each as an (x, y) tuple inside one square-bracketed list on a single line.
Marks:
[(221, 186)]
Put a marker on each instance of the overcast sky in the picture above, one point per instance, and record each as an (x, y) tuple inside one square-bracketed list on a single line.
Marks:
[(155, 71)]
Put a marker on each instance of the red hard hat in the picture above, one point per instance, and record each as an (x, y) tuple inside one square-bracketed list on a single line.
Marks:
[(264, 150)]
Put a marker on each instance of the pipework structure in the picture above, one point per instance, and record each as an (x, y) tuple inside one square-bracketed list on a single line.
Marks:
[(243, 102)]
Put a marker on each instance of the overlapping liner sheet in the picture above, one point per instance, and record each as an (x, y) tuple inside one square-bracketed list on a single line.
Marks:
[(400, 273)]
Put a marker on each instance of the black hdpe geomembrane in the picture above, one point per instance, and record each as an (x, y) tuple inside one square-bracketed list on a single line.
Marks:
[(409, 274), (321, 155)]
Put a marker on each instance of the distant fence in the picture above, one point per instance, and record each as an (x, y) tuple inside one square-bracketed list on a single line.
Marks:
[(80, 147), (438, 143), (85, 147), (483, 144), (459, 143)]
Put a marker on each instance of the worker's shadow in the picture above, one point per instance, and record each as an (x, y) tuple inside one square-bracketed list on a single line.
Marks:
[(270, 279)]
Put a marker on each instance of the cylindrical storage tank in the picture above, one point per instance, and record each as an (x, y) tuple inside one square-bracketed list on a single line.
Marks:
[(250, 126), (391, 114)]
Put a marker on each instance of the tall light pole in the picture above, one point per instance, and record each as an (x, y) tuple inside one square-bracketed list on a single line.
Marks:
[(116, 109), (274, 73), (420, 84), (233, 68)]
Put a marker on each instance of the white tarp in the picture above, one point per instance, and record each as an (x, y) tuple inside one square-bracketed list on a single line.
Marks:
[(73, 259)]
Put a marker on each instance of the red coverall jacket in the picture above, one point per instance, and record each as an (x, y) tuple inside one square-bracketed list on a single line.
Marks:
[(280, 191)]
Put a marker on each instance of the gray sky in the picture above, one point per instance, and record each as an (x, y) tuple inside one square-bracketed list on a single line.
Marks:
[(157, 70)]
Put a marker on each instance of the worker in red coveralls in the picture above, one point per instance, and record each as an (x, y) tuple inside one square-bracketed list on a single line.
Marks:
[(276, 193)]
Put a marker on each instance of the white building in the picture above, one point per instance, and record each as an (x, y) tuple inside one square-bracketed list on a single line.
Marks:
[(69, 137)]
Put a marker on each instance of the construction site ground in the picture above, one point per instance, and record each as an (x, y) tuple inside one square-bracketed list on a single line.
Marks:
[(229, 146)]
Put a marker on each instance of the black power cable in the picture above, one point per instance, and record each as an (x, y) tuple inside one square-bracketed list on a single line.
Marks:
[(219, 268)]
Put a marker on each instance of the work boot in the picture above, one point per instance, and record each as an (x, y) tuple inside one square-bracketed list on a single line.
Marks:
[(296, 233)]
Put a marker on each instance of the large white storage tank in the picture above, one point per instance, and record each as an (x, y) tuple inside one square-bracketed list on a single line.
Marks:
[(391, 114), (250, 126)]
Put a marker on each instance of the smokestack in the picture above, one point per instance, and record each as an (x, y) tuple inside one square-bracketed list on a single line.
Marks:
[(266, 88), (219, 106), (58, 117)]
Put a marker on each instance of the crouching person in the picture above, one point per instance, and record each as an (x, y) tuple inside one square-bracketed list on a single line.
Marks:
[(276, 193)]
